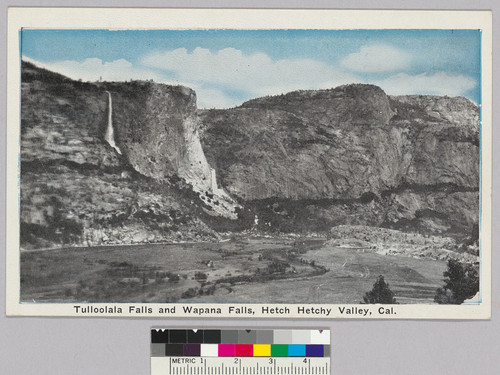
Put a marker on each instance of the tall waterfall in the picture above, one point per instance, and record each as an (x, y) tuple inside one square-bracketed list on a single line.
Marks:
[(110, 133)]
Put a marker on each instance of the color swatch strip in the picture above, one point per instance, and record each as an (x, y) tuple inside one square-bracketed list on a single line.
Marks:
[(239, 350), (213, 336), (239, 343)]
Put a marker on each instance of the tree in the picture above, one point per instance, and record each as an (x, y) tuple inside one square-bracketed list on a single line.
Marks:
[(380, 293), (461, 283)]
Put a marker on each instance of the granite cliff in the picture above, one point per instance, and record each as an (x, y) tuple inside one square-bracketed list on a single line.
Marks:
[(350, 155), (77, 188), (156, 130), (301, 162)]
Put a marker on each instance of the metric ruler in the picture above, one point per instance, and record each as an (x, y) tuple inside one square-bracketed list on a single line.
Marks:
[(240, 352)]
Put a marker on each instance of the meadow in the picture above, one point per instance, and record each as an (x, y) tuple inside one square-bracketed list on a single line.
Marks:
[(244, 269)]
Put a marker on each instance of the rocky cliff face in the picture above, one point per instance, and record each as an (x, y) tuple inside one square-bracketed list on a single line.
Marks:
[(416, 157), (301, 162), (77, 189), (156, 128), (445, 134)]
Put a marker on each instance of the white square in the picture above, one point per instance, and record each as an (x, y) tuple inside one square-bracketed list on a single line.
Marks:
[(209, 350), (320, 337)]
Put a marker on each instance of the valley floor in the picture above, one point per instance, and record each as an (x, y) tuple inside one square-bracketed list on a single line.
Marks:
[(244, 269)]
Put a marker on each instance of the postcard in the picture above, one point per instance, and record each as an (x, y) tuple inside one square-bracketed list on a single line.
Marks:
[(249, 163)]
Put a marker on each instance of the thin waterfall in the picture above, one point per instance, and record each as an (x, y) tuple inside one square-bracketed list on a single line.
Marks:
[(110, 133)]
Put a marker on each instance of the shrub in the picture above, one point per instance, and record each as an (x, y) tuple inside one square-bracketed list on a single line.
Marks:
[(200, 276), (367, 197), (461, 282), (174, 278), (277, 266), (190, 293), (380, 293)]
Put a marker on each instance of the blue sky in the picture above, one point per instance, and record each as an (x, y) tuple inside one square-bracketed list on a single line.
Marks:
[(227, 67)]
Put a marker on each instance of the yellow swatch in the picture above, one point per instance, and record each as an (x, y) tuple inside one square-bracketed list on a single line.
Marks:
[(260, 350)]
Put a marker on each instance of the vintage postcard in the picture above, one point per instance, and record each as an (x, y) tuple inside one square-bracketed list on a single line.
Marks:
[(249, 163)]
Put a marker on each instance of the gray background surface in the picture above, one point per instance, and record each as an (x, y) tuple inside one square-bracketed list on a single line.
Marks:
[(121, 346)]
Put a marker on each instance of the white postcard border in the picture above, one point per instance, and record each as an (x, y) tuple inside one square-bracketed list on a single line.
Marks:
[(123, 18)]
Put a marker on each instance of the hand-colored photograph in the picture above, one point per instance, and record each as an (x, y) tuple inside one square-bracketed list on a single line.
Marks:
[(250, 166), (287, 166)]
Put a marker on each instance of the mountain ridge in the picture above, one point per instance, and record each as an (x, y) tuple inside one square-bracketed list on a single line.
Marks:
[(300, 162)]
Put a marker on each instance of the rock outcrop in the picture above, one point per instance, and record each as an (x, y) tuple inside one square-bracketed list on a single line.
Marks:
[(156, 128), (416, 156), (76, 189), (302, 162)]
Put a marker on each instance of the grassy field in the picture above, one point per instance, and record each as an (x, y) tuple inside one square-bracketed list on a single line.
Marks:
[(258, 270)]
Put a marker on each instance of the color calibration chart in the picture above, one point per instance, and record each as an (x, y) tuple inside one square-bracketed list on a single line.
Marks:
[(240, 352)]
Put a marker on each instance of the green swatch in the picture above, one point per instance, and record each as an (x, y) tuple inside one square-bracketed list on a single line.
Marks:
[(279, 350)]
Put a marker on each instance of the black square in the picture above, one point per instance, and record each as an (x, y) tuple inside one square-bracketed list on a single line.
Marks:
[(159, 336), (195, 337), (178, 336), (211, 336), (174, 350)]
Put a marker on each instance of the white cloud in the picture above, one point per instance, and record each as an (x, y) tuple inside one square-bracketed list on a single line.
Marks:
[(440, 83), (377, 58), (214, 75), (213, 98), (256, 74), (92, 69)]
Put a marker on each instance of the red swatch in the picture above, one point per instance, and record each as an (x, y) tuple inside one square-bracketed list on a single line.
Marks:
[(244, 350)]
